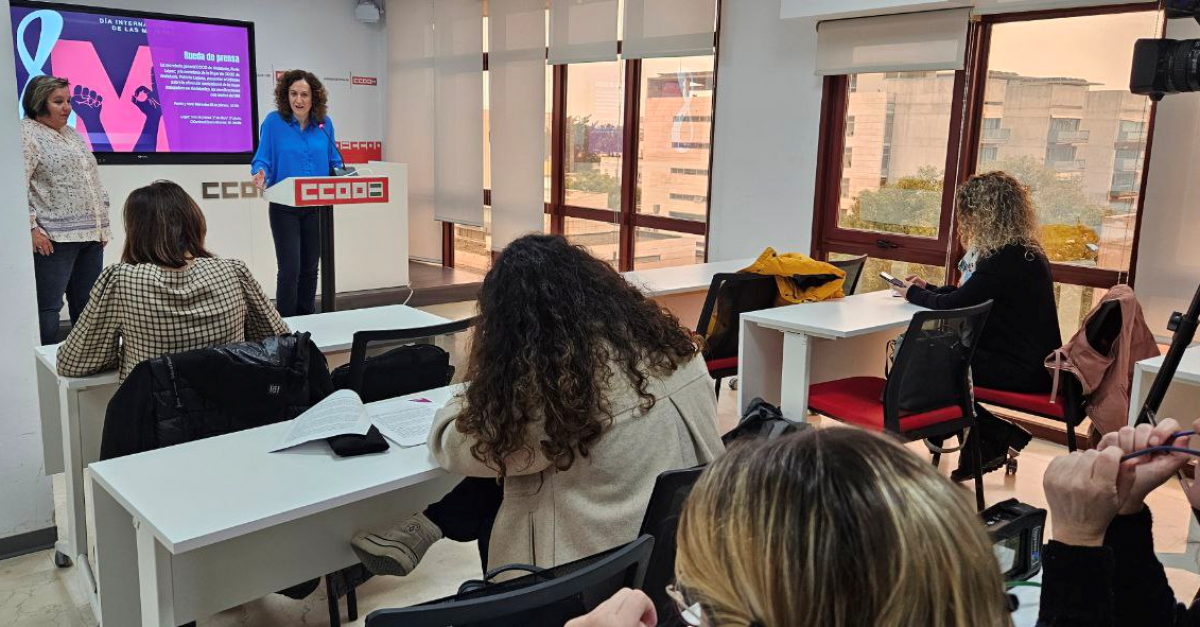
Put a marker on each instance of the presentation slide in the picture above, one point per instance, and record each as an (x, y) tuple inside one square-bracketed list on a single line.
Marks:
[(145, 85)]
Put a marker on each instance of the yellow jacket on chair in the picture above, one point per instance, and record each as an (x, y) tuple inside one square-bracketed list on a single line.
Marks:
[(800, 279)]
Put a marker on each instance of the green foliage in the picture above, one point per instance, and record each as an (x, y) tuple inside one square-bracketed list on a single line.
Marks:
[(910, 206), (1059, 201), (597, 182)]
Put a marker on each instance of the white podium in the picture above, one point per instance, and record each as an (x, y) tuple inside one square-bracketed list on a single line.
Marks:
[(382, 188)]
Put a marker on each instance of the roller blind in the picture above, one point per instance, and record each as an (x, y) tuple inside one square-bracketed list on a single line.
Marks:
[(583, 31), (935, 40), (517, 92), (458, 147), (668, 28)]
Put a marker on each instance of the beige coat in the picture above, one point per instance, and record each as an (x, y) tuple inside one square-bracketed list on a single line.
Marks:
[(551, 517)]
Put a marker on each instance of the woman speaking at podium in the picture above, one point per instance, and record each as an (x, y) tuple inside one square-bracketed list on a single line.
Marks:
[(296, 140)]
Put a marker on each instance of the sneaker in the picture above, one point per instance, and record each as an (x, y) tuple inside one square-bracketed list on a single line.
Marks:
[(398, 550)]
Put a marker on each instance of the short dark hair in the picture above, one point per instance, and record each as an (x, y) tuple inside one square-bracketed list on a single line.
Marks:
[(163, 226), (319, 95), (36, 100)]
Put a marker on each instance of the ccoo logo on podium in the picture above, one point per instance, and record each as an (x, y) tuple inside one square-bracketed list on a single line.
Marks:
[(341, 191)]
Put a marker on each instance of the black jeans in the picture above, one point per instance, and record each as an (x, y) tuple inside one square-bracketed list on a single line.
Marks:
[(468, 512), (297, 235), (72, 270)]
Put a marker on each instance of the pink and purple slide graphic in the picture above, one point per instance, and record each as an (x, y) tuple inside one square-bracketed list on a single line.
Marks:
[(143, 85)]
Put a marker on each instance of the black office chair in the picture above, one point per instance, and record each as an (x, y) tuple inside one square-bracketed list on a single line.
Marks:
[(548, 598), (671, 489), (928, 391), (408, 362), (729, 295), (853, 268)]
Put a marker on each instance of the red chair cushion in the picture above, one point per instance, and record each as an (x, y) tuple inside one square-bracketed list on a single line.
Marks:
[(1037, 404), (856, 401), (722, 363)]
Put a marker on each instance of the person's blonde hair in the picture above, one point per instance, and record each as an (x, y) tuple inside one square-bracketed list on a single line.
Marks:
[(994, 210), (36, 100), (835, 527)]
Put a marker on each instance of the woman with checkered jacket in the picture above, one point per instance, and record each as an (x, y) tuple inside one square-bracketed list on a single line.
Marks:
[(167, 295)]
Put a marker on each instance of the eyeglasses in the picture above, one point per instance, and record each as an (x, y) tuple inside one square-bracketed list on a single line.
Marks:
[(689, 612)]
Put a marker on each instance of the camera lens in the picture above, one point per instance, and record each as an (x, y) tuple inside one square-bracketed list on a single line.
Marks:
[(1165, 66)]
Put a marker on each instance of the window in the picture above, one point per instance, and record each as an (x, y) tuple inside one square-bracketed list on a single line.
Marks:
[(690, 171), (674, 139), (1064, 123), (594, 134)]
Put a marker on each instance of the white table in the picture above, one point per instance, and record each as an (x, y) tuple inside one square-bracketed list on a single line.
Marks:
[(682, 289), (186, 531), (784, 350), (72, 409)]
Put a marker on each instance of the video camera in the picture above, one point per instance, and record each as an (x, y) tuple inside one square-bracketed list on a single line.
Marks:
[(1016, 530), (1167, 66)]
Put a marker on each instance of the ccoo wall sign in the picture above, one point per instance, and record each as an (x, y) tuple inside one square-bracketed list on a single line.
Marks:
[(316, 192)]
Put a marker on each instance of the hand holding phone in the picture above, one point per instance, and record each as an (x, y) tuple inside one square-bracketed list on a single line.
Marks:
[(891, 279)]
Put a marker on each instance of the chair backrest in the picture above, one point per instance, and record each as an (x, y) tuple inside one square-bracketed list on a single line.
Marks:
[(373, 386), (671, 489), (729, 295), (547, 598), (853, 268), (933, 363)]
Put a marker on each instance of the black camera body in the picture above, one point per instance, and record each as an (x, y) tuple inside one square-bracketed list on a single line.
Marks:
[(1167, 66), (1016, 530)]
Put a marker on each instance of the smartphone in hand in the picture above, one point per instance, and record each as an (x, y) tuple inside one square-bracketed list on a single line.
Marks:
[(891, 279)]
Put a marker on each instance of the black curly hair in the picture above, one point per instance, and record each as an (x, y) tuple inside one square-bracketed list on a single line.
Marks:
[(557, 329)]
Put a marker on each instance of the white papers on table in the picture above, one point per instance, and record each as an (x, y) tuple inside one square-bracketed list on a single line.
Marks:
[(406, 422), (340, 413)]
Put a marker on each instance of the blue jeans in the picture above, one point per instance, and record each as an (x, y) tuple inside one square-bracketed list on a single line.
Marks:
[(297, 234), (72, 270)]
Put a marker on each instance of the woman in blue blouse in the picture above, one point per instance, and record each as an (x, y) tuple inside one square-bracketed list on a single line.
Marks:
[(297, 140)]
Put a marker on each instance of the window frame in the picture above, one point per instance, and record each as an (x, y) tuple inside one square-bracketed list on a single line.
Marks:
[(627, 219), (962, 159)]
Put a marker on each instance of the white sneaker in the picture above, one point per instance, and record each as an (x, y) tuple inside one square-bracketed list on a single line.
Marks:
[(398, 550)]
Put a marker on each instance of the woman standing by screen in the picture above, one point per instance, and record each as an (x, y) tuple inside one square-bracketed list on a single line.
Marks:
[(68, 209), (297, 139)]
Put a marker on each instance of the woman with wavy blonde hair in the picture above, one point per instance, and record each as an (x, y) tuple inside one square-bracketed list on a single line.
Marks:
[(834, 527), (1004, 263)]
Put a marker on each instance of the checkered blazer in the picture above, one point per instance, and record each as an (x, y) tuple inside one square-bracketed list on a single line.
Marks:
[(142, 311)]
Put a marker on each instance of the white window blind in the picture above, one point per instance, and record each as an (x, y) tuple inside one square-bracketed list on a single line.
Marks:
[(410, 119), (583, 31), (458, 151), (986, 7), (517, 91), (669, 28), (935, 40)]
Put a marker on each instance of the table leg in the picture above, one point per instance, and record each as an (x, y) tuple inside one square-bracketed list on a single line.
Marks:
[(72, 454), (797, 359), (760, 356), (116, 561), (154, 580), (50, 413)]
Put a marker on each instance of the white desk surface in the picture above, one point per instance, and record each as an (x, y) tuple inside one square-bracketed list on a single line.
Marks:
[(200, 493), (851, 316), (332, 332), (682, 279), (1189, 366)]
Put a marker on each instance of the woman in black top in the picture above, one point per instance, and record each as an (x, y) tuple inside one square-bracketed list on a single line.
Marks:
[(1005, 264)]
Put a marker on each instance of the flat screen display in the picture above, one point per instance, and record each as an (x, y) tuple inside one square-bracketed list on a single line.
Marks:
[(146, 88)]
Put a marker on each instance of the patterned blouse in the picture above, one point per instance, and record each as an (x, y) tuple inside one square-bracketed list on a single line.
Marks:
[(65, 196), (142, 311)]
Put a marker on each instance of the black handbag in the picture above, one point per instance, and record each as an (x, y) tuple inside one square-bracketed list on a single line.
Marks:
[(762, 420), (402, 370), (935, 363)]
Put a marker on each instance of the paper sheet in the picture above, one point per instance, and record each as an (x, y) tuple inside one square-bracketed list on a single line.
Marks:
[(340, 413), (407, 422)]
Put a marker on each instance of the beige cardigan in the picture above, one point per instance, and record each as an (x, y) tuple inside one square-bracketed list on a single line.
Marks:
[(550, 517)]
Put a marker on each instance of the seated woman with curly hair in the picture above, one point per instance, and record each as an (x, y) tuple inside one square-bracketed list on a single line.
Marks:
[(581, 392)]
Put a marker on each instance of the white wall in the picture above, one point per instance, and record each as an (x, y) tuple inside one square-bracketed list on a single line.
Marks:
[(1168, 264), (767, 122), (26, 503)]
